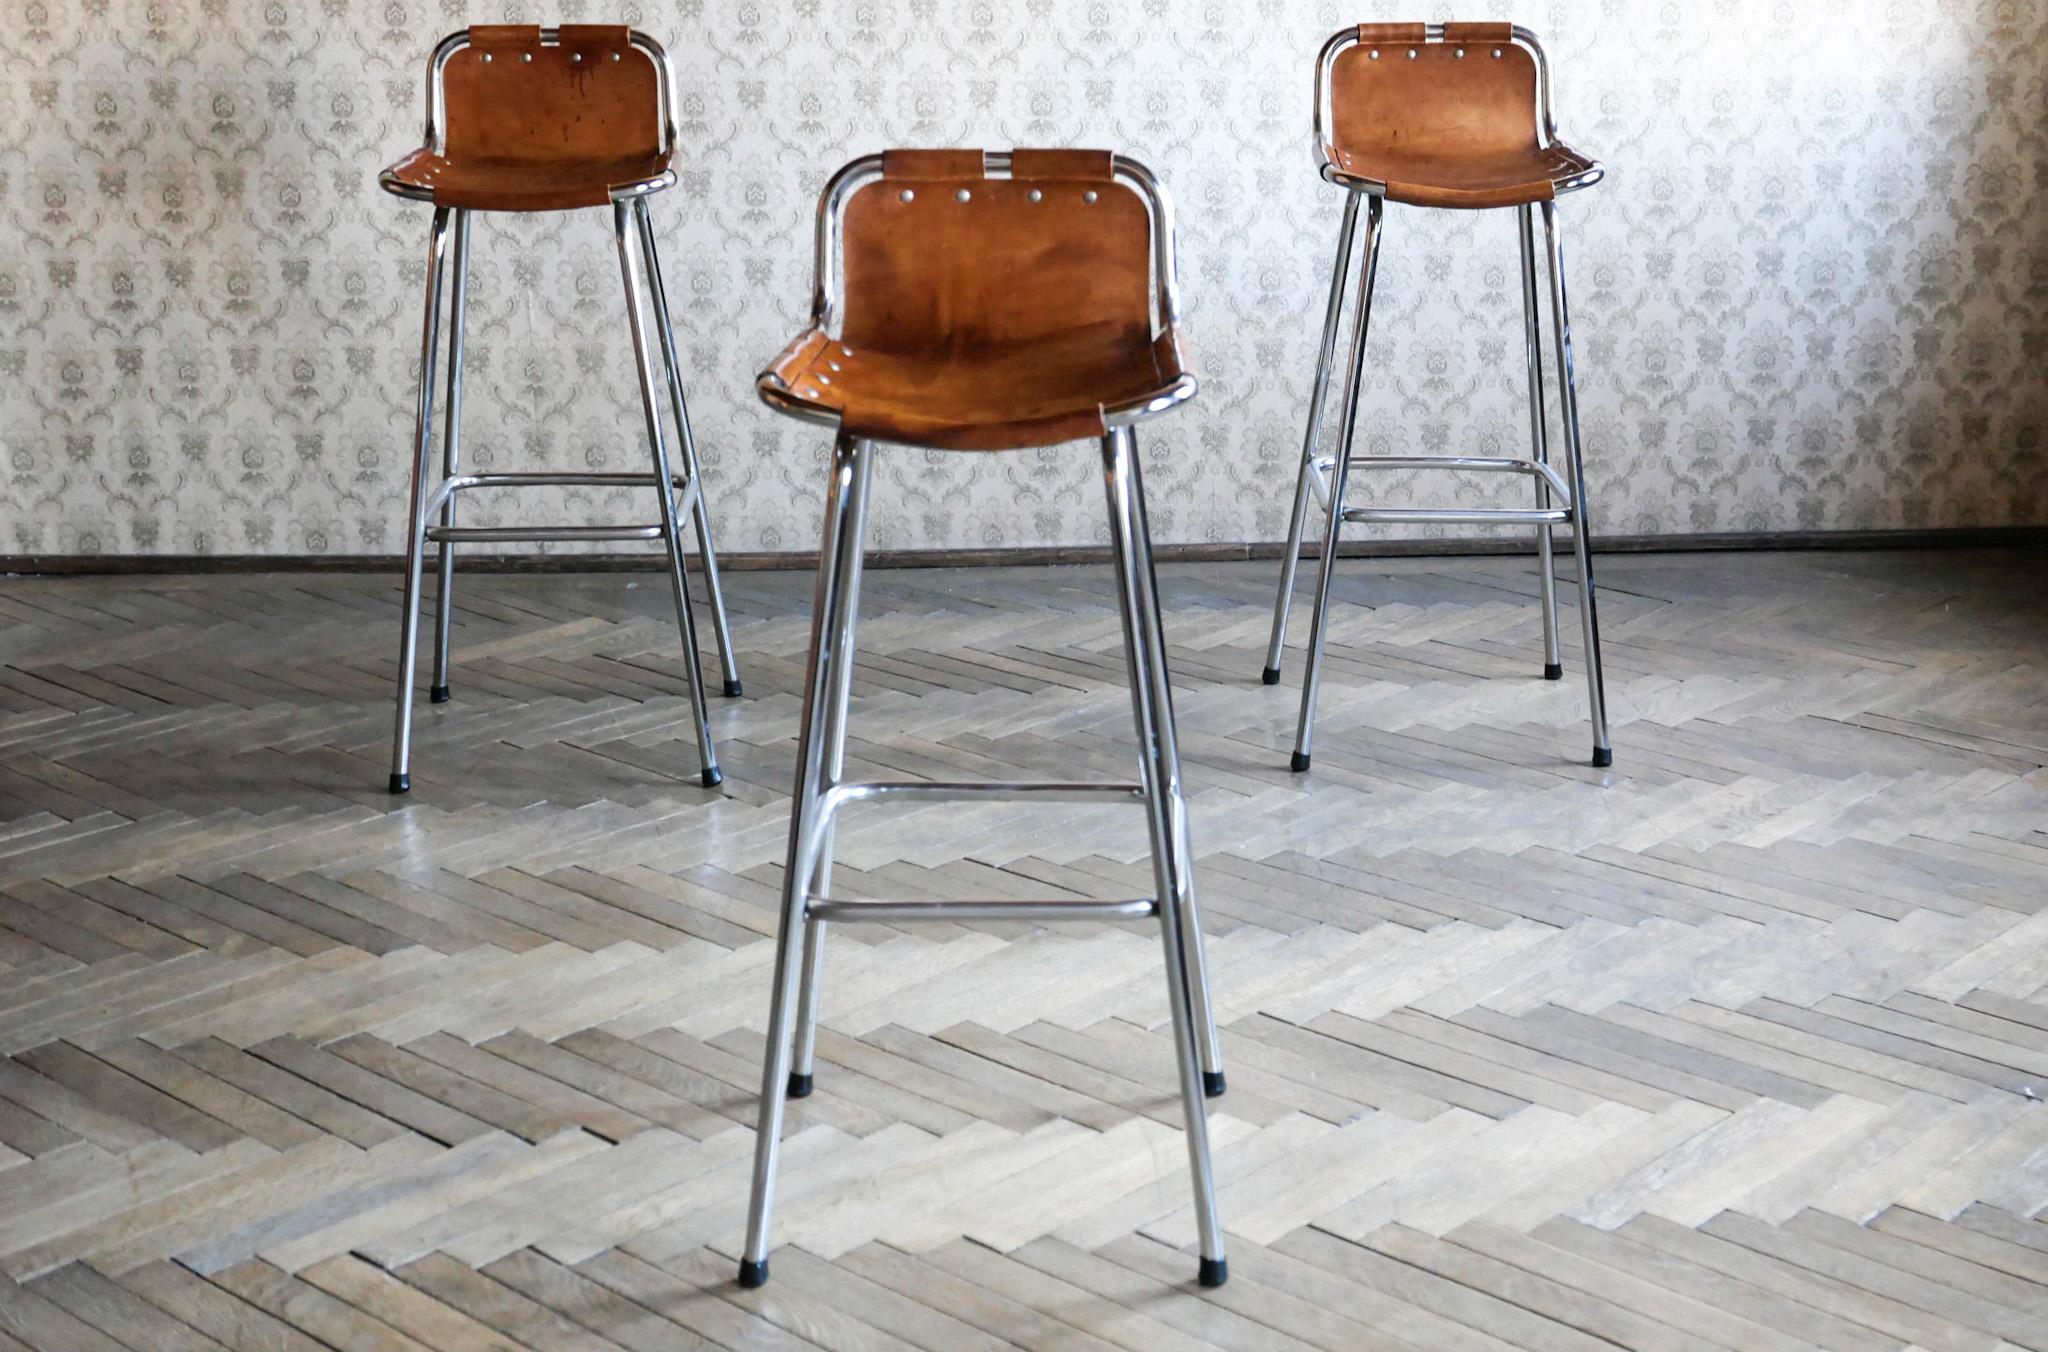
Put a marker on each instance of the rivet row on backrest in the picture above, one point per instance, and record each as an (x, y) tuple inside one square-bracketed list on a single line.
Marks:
[(1091, 197), (577, 57), (1374, 53)]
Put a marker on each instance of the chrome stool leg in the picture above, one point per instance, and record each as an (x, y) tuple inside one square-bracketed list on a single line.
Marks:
[(831, 633), (1166, 814), (623, 222), (416, 527), (1539, 440), (806, 1034), (451, 456), (1194, 960), (1582, 528), (820, 793), (700, 513), (1353, 382), (1318, 396)]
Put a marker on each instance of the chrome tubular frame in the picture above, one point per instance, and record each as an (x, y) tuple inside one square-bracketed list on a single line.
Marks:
[(1319, 393), (626, 219), (679, 490), (1582, 526), (1539, 438), (828, 281), (1354, 380), (1560, 498), (691, 480), (807, 903)]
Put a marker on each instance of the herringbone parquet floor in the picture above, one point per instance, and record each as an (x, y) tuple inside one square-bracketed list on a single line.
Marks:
[(1738, 1046)]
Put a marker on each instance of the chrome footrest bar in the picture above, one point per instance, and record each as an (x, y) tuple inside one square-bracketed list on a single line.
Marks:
[(1321, 468), (1456, 516), (819, 829), (562, 479), (525, 534), (931, 791), (686, 499), (1055, 912)]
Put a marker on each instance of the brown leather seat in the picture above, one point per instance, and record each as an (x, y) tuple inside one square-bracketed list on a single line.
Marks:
[(1449, 123), (985, 313), (530, 125)]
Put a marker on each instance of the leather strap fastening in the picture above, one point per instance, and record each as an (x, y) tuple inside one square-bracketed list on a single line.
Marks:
[(595, 35), (1063, 164), (498, 37), (1479, 32), (929, 166)]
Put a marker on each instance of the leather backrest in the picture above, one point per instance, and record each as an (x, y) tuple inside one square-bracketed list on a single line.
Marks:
[(938, 256), (592, 95), (1420, 99)]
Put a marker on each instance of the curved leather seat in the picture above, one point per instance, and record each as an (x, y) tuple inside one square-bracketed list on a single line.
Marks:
[(524, 185), (987, 314), (530, 125), (988, 396), (1447, 123), (1499, 179)]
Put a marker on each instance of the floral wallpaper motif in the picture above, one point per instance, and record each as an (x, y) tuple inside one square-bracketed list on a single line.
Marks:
[(1812, 294)]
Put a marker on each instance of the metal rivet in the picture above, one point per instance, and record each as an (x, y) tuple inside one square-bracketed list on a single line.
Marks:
[(1375, 53), (487, 58), (617, 57), (576, 57), (526, 56), (824, 380), (810, 393), (1035, 195), (1091, 197), (1461, 53), (1411, 53), (1496, 53), (906, 196), (845, 351), (833, 364), (963, 196)]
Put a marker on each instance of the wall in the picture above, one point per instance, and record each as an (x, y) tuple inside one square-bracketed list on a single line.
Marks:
[(1813, 293)]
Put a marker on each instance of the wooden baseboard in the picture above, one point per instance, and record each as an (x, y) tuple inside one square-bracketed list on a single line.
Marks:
[(87, 565)]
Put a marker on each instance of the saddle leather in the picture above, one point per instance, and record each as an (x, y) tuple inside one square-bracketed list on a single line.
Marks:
[(534, 126), (1444, 124), (1010, 319)]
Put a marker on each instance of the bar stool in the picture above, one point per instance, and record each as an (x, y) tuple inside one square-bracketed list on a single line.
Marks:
[(521, 118), (1455, 116), (972, 302)]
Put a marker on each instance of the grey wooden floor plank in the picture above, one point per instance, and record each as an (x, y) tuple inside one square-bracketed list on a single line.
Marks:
[(1724, 1049)]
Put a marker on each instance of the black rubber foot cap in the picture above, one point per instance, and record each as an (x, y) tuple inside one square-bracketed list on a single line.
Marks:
[(713, 777), (401, 783), (1554, 671), (439, 694), (1212, 1083), (1270, 676), (732, 689), (1215, 1271), (753, 1274), (799, 1085), (1298, 763), (1602, 758)]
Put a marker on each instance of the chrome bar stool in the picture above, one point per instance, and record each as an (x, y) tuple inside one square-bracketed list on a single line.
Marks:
[(1455, 116), (522, 118), (984, 302)]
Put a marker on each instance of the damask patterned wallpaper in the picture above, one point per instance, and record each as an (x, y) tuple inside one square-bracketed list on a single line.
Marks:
[(1813, 293)]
